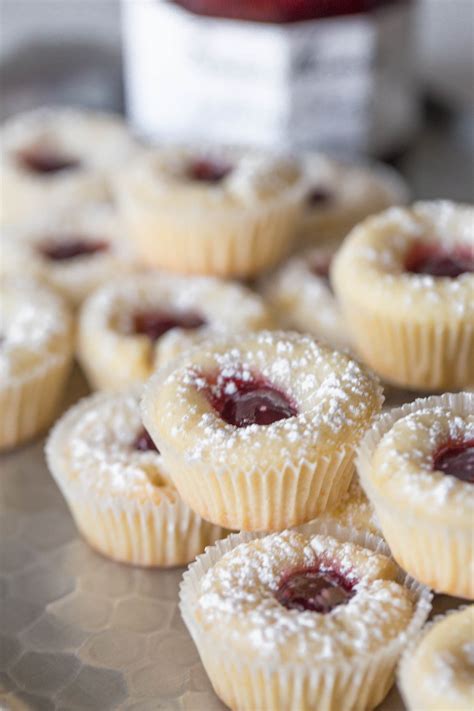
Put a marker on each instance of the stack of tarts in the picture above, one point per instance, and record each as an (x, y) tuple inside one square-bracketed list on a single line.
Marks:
[(211, 421)]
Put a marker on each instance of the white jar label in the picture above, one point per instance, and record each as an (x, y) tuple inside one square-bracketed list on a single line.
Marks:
[(337, 83)]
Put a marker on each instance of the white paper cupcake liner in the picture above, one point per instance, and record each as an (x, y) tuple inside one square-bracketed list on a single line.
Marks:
[(412, 354), (270, 499), (28, 404), (127, 526), (249, 685), (203, 242), (405, 664), (137, 532), (441, 556)]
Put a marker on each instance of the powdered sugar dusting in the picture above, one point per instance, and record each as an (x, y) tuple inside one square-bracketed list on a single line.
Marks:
[(33, 325), (376, 251), (303, 299), (253, 176), (404, 459), (100, 446), (237, 597), (223, 305), (335, 397)]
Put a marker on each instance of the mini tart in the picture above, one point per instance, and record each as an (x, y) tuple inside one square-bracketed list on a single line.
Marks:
[(417, 467), (354, 511), (36, 348), (339, 195), (258, 432), (404, 282), (229, 213), (74, 249), (131, 326), (301, 620), (437, 672), (55, 155), (114, 482), (302, 298)]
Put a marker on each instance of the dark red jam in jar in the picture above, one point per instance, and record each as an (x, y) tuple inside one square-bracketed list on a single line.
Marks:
[(155, 324), (248, 401), (314, 590), (456, 459), (437, 261), (65, 248), (281, 10)]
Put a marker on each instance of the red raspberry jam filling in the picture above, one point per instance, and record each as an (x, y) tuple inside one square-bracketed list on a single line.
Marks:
[(45, 161), (70, 248), (208, 171), (243, 401), (155, 324), (456, 459), (439, 262), (318, 197), (314, 590), (144, 443)]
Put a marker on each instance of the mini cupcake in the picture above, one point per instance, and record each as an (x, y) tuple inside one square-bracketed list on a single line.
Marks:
[(339, 195), (417, 466), (258, 432), (301, 295), (436, 671), (36, 347), (301, 620), (113, 479), (404, 280), (227, 213), (55, 155), (131, 326), (73, 249)]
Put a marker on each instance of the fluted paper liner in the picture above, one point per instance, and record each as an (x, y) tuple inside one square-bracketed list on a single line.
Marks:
[(357, 684), (29, 403), (421, 355), (219, 243), (165, 533), (438, 555), (265, 499)]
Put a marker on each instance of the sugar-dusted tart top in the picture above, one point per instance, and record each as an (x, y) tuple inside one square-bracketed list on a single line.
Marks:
[(54, 142), (73, 248), (438, 672), (338, 190), (146, 319), (425, 462), (35, 327), (301, 294), (259, 398), (417, 261), (102, 443), (293, 598), (217, 177)]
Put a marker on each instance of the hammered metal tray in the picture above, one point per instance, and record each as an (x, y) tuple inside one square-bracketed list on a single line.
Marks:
[(79, 632)]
